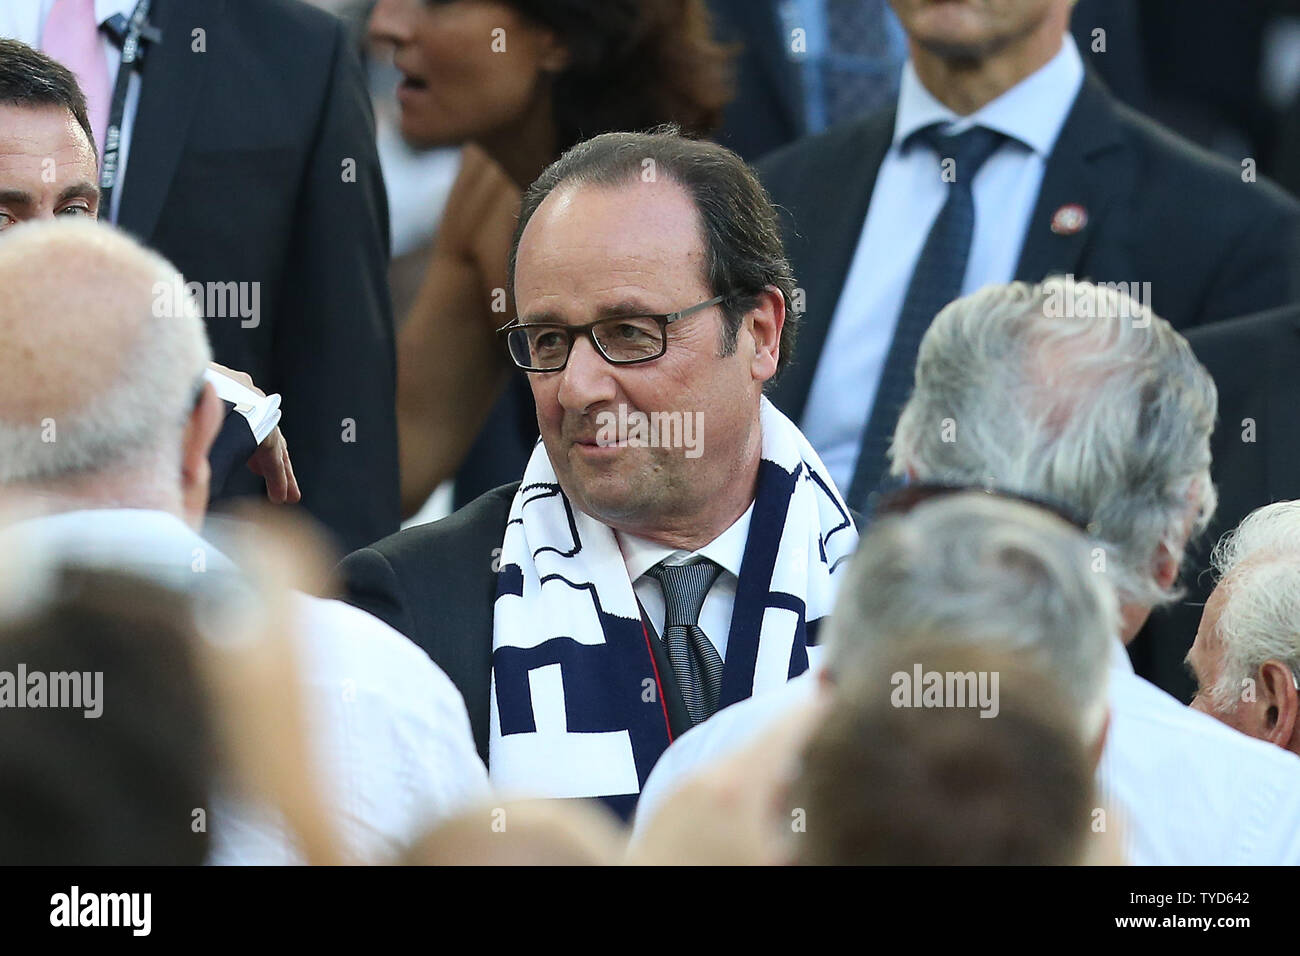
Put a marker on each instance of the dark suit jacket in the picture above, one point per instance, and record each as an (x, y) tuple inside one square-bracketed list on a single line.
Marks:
[(237, 174), (1255, 362), (1159, 210), (437, 584)]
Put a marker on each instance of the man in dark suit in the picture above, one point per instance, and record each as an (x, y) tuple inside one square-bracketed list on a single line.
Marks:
[(587, 614), (1004, 159), (774, 104), (248, 160), (43, 116), (1256, 448)]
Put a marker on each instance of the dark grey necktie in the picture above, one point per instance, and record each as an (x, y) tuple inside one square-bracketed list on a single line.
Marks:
[(694, 659), (936, 281)]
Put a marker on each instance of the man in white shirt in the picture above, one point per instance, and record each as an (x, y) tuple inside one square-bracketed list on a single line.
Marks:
[(267, 99), (1101, 407), (969, 568), (105, 420), (1246, 657), (1077, 394)]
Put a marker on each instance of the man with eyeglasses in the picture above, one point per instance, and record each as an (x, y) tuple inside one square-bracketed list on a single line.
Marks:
[(1246, 657), (628, 587)]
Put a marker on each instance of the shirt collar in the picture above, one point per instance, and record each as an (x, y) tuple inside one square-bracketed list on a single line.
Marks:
[(1031, 112), (118, 537), (726, 550)]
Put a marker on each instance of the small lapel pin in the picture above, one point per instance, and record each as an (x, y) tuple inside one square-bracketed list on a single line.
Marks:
[(1069, 219)]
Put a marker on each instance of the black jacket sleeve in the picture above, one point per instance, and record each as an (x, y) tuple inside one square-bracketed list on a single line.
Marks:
[(334, 351)]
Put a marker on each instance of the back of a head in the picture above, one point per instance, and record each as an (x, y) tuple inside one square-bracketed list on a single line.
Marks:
[(883, 784), (523, 833), (1076, 393), (983, 571), (112, 763), (634, 64), (101, 358)]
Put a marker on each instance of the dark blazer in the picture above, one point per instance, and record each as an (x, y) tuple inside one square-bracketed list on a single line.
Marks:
[(239, 172), (1159, 210), (1255, 362)]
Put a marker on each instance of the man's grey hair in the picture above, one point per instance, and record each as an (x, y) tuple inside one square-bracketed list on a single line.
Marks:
[(1075, 393), (975, 569), (138, 420), (1258, 566)]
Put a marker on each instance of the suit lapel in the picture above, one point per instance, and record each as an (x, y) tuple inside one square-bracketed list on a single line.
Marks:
[(170, 83), (823, 242), (1081, 173)]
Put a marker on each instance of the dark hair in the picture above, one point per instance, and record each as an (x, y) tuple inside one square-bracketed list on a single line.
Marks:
[(884, 784), (742, 239), (120, 788), (634, 64), (30, 78)]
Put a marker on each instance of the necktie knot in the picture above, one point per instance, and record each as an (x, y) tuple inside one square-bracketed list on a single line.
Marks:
[(685, 586), (969, 149)]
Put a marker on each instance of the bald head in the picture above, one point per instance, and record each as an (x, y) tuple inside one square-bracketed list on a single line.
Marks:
[(93, 374)]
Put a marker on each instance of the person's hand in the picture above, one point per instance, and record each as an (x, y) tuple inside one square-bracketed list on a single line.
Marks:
[(271, 461)]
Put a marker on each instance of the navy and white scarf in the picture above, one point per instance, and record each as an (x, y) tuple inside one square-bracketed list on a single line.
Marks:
[(573, 708)]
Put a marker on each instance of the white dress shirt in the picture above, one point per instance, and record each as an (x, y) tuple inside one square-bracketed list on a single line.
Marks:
[(388, 729), (25, 20), (1191, 790), (727, 551), (905, 202)]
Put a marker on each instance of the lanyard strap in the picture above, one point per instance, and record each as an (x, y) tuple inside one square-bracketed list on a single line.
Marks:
[(113, 138)]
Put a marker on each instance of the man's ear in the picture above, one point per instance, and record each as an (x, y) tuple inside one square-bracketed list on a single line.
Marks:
[(200, 432), (1277, 704), (1165, 565), (765, 322)]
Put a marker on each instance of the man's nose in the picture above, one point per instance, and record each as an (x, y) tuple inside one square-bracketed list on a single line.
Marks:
[(585, 380), (390, 22)]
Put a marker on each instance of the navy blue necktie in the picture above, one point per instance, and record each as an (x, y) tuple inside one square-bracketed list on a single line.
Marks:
[(694, 659), (936, 281)]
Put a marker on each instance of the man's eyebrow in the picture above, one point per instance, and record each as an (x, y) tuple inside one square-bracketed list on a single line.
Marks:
[(86, 190), (614, 310), (16, 197)]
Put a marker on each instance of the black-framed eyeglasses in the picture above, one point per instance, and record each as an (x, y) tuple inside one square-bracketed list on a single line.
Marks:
[(620, 339)]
